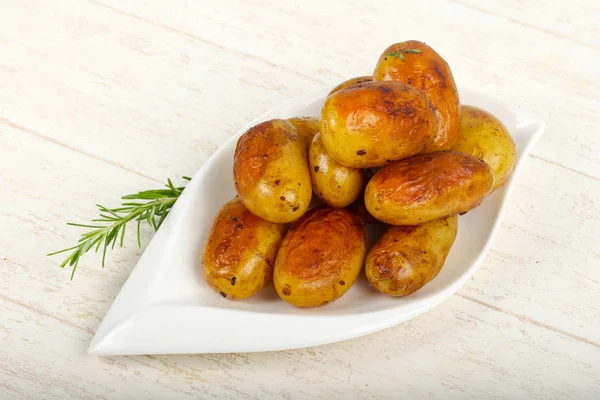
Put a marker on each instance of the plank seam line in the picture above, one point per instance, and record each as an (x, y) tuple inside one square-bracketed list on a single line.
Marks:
[(46, 314), (56, 142), (205, 41), (526, 25), (563, 166), (529, 320)]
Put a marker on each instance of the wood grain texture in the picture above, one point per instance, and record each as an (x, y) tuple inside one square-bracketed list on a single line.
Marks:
[(106, 97)]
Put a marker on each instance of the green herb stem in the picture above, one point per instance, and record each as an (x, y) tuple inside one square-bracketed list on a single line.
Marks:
[(152, 206), (400, 53)]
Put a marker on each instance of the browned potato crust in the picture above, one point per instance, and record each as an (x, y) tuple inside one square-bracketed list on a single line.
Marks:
[(351, 82), (484, 136), (270, 170), (427, 71), (427, 187), (307, 128), (407, 257), (374, 123), (336, 185), (320, 257), (240, 252)]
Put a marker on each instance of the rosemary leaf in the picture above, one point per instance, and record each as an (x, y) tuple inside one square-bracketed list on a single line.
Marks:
[(153, 207)]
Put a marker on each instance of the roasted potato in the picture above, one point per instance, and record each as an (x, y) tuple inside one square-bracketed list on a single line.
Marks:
[(270, 171), (240, 252), (375, 123), (307, 128), (351, 82), (417, 64), (484, 136), (427, 187), (336, 185), (407, 257), (320, 257)]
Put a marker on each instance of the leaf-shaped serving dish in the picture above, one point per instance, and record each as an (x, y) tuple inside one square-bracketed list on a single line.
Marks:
[(166, 307)]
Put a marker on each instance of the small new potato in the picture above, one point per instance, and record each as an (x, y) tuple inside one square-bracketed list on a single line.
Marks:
[(270, 170), (418, 65), (484, 136), (240, 252), (336, 185), (407, 257), (375, 123), (307, 128), (427, 187), (320, 257), (351, 82)]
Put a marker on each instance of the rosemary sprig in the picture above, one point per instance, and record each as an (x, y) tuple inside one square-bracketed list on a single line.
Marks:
[(400, 53), (151, 206)]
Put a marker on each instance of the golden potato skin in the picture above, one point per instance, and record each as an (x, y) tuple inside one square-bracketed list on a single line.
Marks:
[(307, 128), (407, 257), (320, 257), (427, 187), (430, 73), (270, 171), (240, 253), (336, 185), (374, 123), (351, 82), (482, 135)]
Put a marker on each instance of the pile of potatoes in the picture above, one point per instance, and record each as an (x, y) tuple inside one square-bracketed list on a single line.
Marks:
[(394, 148)]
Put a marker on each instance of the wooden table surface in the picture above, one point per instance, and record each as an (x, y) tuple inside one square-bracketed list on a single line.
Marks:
[(101, 98)]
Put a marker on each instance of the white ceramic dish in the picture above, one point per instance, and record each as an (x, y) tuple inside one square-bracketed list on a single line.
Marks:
[(166, 307)]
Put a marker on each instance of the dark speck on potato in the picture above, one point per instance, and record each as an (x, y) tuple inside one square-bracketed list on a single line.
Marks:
[(361, 152), (233, 281), (223, 294), (239, 226), (316, 168)]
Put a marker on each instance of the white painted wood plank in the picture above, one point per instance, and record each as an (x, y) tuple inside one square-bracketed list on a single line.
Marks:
[(44, 186), (576, 21), (157, 73), (130, 93), (460, 350)]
